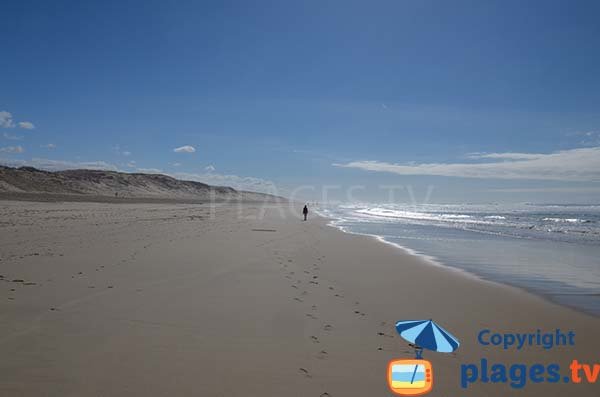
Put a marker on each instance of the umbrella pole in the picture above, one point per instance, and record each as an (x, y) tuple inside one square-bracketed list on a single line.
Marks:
[(418, 352), (419, 356)]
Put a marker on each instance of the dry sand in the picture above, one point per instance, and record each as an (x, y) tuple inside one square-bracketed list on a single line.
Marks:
[(180, 300)]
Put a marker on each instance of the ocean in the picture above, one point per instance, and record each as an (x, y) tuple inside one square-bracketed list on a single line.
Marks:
[(552, 250)]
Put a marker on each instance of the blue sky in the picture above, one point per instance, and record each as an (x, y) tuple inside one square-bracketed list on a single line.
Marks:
[(484, 101)]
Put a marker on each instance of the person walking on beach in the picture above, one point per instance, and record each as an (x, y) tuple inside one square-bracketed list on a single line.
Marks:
[(305, 211)]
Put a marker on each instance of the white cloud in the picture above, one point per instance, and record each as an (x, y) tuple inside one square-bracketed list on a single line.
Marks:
[(26, 125), (209, 168), (126, 153), (176, 164), (6, 120), (12, 137), (49, 146), (185, 149), (12, 149), (567, 165)]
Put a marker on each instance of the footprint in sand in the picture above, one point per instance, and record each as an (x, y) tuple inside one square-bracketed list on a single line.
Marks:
[(311, 316), (298, 299), (328, 327), (305, 372), (322, 355), (314, 339), (295, 286), (325, 395)]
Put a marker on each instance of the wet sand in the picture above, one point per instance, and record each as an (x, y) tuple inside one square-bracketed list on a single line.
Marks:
[(100, 299)]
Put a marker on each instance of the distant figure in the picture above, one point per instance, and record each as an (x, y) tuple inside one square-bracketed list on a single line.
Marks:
[(305, 211)]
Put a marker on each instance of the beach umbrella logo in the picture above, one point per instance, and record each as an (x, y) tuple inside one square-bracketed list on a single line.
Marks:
[(414, 377)]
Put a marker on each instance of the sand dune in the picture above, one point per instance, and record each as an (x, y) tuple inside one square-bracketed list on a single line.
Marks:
[(27, 182)]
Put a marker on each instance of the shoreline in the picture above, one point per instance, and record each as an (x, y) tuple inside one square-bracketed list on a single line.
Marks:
[(163, 299), (434, 261)]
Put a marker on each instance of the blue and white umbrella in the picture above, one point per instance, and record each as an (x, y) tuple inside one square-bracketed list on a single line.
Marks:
[(428, 335)]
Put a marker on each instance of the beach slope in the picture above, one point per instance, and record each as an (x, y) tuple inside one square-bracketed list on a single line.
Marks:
[(102, 299)]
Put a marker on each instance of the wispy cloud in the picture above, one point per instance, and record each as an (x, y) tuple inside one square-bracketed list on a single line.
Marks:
[(505, 156), (149, 170), (12, 137), (12, 149), (27, 125), (49, 146), (185, 149), (547, 190), (567, 165), (6, 120), (209, 168)]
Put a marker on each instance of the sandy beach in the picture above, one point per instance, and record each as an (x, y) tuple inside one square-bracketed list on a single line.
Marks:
[(101, 299)]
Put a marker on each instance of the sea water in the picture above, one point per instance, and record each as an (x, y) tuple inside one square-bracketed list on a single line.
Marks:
[(549, 249)]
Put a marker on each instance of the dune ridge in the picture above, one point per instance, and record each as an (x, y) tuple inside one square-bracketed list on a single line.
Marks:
[(29, 181)]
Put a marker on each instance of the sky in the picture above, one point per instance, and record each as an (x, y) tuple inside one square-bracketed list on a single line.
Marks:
[(463, 101)]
